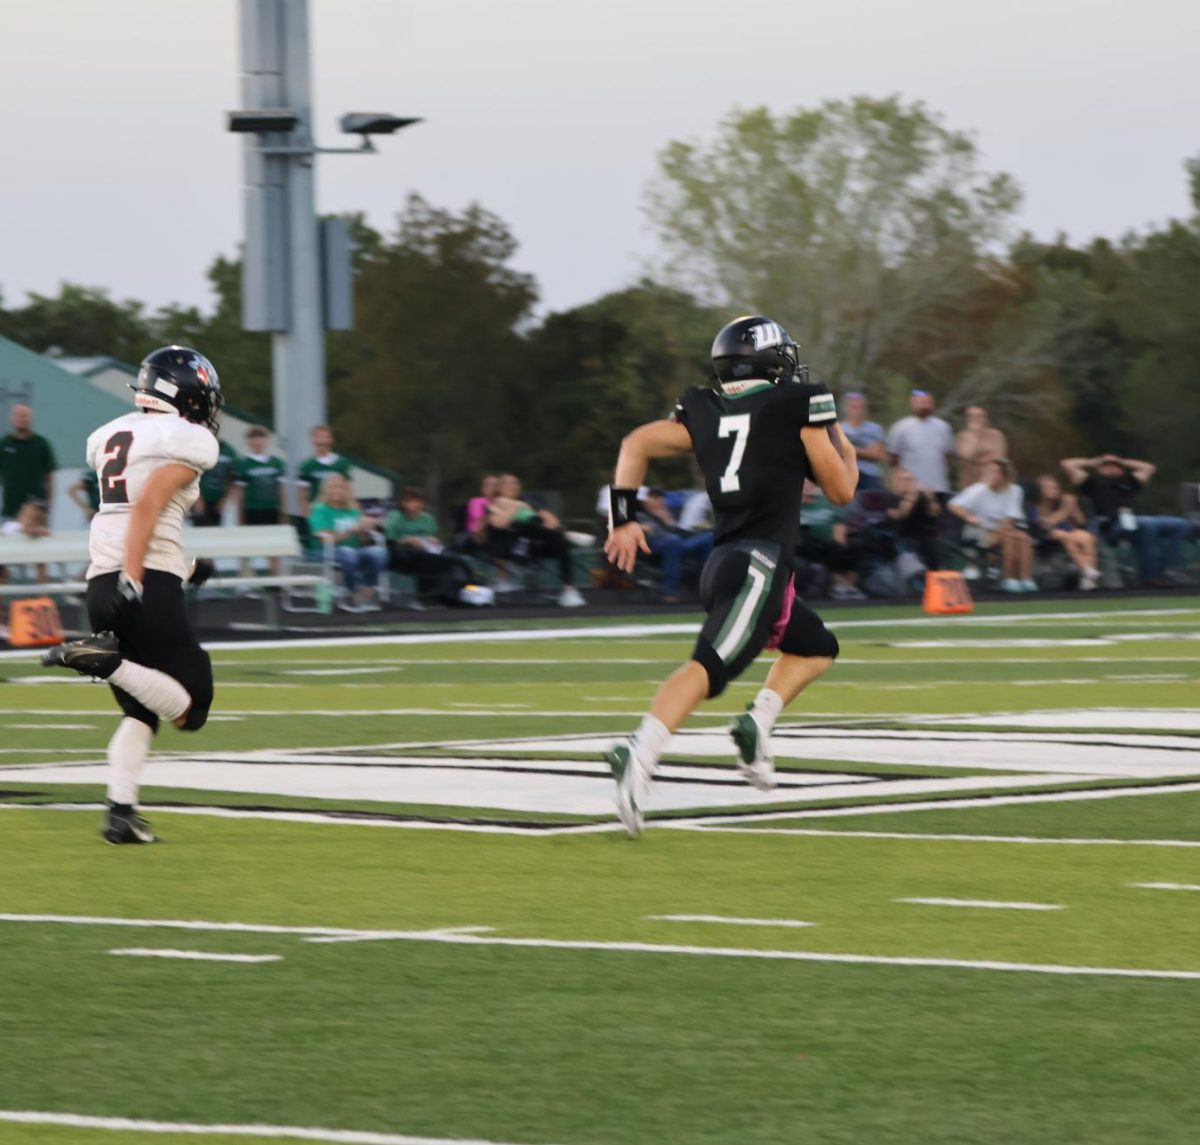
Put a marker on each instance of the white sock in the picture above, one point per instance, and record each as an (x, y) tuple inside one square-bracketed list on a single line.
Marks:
[(127, 752), (651, 741), (165, 696), (765, 709)]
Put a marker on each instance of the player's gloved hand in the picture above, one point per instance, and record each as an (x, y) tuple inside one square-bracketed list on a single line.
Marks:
[(624, 543), (202, 569), (130, 592)]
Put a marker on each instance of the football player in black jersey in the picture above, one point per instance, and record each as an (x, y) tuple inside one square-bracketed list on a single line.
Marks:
[(756, 435)]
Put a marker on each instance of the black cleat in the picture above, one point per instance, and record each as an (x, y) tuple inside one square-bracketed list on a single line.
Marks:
[(126, 826), (95, 655)]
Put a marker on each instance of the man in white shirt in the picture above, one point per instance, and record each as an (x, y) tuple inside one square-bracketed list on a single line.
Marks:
[(920, 444), (148, 464), (994, 512)]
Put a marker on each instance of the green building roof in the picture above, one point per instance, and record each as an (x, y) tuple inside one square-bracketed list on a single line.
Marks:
[(66, 407)]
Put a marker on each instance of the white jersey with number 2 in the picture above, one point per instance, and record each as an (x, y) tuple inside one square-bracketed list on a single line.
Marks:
[(124, 453)]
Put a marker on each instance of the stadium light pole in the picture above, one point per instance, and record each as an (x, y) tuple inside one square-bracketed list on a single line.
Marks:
[(291, 287)]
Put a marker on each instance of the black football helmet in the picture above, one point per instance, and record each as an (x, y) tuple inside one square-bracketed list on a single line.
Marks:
[(755, 347), (178, 379)]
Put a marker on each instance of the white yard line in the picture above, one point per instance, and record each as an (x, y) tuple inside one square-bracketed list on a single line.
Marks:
[(52, 727), (1167, 886), (519, 635), (292, 1132), (451, 938), (194, 955), (904, 836), (983, 904), (722, 920), (932, 805), (385, 936), (313, 933)]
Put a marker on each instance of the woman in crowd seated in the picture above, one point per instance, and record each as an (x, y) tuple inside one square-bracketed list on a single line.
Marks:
[(475, 520), (994, 512), (358, 549), (516, 530), (1060, 518)]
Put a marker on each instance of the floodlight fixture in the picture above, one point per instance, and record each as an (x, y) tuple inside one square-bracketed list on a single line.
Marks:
[(373, 123), (261, 121)]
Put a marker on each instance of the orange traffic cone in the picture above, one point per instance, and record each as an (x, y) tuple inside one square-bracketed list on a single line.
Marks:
[(947, 593), (34, 623)]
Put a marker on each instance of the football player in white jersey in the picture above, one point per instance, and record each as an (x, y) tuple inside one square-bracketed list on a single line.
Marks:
[(148, 463)]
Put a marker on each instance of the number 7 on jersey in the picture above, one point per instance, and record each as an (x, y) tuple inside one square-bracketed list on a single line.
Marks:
[(736, 426)]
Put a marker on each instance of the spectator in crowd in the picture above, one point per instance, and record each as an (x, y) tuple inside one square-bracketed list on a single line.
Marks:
[(994, 512), (868, 439), (1112, 484), (215, 486), (1059, 517), (920, 443), (696, 516), (259, 478), (336, 520), (414, 549), (475, 519), (516, 529), (914, 513), (671, 543), (27, 466), (323, 462), (824, 540), (86, 493), (976, 445)]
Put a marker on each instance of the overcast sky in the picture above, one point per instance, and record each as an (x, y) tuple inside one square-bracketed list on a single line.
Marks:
[(117, 171)]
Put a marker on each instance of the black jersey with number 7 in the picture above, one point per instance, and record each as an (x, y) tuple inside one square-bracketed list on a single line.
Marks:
[(748, 445)]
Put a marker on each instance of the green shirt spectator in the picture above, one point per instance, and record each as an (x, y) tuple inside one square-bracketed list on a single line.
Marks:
[(26, 464), (214, 486), (819, 515), (320, 466), (260, 476), (86, 493), (398, 526), (328, 519), (314, 471)]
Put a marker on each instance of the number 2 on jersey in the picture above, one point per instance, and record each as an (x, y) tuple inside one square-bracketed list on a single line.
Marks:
[(112, 479), (737, 426)]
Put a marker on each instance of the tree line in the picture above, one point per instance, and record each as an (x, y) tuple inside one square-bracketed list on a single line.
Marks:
[(867, 226)]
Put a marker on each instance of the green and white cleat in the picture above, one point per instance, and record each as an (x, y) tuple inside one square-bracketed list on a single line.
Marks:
[(753, 752), (627, 772)]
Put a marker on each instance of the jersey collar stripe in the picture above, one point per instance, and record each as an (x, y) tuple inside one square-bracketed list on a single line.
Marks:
[(745, 388), (744, 614)]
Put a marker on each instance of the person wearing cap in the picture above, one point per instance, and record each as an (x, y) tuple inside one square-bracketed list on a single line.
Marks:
[(868, 439), (920, 443)]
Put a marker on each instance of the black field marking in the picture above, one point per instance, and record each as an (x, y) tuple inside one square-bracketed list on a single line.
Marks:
[(1012, 795), (581, 824), (782, 768), (480, 764), (353, 814)]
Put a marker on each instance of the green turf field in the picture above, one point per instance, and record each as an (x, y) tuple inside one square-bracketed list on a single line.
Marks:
[(970, 913)]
